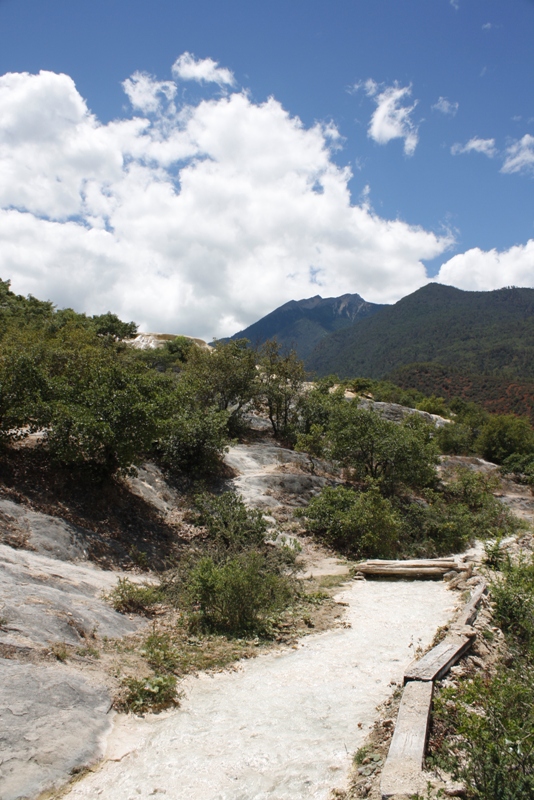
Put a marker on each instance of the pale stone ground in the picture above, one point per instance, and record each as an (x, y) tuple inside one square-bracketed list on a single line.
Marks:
[(282, 726)]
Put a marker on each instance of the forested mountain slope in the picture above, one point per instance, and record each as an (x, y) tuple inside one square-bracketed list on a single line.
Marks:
[(484, 333), (302, 324)]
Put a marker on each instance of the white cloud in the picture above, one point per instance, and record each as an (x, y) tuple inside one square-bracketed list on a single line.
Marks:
[(476, 145), (197, 220), (519, 156), (446, 107), (484, 270), (145, 93), (204, 70), (391, 119)]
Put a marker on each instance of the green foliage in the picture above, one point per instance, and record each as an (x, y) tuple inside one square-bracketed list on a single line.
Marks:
[(193, 439), (513, 595), (363, 524), (149, 694), (224, 376), (229, 523), (134, 598), (489, 719), (493, 719), (521, 466), (234, 581), (433, 405), (180, 348), (160, 653), (503, 435), (395, 455), (238, 594), (455, 439), (367, 525), (280, 379), (110, 326)]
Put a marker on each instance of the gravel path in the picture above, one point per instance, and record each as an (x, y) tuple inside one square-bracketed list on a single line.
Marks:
[(282, 726)]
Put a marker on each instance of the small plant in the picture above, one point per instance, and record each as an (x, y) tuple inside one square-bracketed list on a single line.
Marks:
[(149, 694), (139, 557), (160, 653), (132, 598), (88, 652), (60, 651)]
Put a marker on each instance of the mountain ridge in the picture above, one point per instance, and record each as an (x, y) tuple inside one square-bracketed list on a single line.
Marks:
[(302, 324)]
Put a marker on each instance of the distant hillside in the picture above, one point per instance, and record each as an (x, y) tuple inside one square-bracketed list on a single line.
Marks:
[(497, 395), (302, 324), (484, 333)]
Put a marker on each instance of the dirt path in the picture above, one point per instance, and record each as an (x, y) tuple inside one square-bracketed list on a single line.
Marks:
[(283, 726)]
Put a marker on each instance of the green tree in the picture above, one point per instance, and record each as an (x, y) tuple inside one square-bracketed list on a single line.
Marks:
[(280, 381), (394, 455), (502, 435), (224, 376)]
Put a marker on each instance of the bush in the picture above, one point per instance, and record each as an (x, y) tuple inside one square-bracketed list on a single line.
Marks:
[(229, 523), (149, 694), (364, 524), (513, 597), (502, 436), (493, 746), (133, 598), (193, 441), (237, 595), (455, 439), (521, 466)]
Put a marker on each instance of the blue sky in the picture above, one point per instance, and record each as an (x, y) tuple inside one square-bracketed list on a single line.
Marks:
[(428, 104)]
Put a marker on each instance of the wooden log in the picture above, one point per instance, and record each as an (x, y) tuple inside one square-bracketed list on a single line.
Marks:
[(411, 568), (415, 562), (404, 572), (438, 661), (403, 771)]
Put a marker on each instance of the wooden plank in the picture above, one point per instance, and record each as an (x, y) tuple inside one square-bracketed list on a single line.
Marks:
[(438, 661), (403, 771), (470, 610)]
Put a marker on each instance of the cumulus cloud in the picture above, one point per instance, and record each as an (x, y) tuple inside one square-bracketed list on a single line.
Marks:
[(484, 270), (202, 70), (145, 93), (476, 145), (519, 156), (391, 118), (197, 219), (446, 107)]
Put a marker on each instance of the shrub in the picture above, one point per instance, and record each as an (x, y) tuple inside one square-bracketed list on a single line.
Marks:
[(513, 597), (503, 435), (228, 521), (160, 653), (193, 441), (133, 598), (455, 439), (238, 594), (364, 524), (493, 747), (149, 694)]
